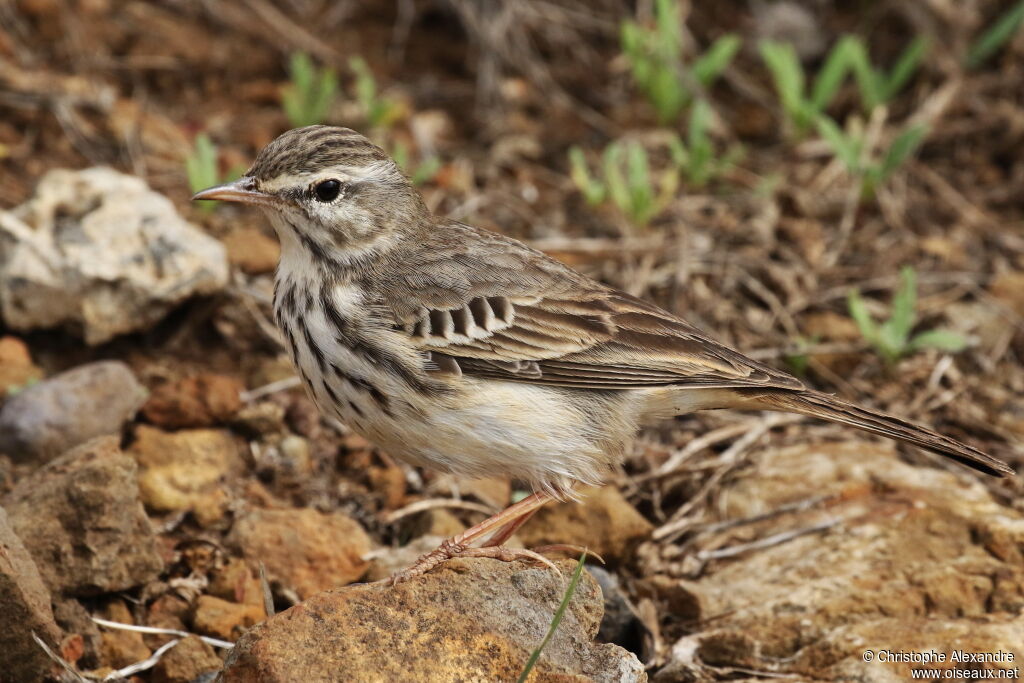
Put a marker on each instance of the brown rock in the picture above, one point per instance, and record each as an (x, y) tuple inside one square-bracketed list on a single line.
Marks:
[(68, 409), (24, 608), (222, 619), (186, 470), (470, 620), (202, 401), (235, 582), (16, 367), (186, 661), (603, 521), (81, 518), (252, 251), (304, 549), (121, 648), (920, 557)]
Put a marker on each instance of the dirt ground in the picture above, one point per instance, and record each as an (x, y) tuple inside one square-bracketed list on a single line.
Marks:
[(762, 257)]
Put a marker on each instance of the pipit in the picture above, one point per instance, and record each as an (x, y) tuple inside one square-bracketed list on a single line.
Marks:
[(469, 352)]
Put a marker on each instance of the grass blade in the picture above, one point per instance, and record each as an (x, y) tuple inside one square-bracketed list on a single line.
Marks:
[(556, 620), (832, 73), (715, 60), (942, 340), (993, 39), (905, 67)]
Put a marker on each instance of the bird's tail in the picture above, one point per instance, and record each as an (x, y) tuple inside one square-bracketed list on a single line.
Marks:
[(825, 407)]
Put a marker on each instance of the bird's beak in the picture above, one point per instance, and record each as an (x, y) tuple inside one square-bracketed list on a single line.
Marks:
[(242, 190)]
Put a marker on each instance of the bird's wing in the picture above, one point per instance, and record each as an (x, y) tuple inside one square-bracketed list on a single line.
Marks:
[(498, 309)]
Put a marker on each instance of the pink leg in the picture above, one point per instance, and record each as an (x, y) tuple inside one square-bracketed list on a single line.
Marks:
[(459, 546)]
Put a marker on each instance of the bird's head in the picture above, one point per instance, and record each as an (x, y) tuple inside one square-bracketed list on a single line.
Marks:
[(329, 191)]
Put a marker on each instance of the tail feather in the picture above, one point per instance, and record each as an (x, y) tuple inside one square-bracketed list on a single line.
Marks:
[(816, 404)]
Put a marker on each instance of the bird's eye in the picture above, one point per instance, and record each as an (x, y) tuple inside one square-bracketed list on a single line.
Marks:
[(328, 190)]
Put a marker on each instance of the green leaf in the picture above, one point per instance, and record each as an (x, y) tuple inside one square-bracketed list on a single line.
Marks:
[(904, 68), (593, 191), (846, 147), (716, 59), (896, 330), (942, 340), (905, 144), (859, 313), (869, 81), (641, 192), (993, 39), (614, 179), (574, 582), (832, 74), (788, 77)]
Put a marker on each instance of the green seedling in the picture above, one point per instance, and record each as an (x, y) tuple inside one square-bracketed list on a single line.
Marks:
[(307, 99), (800, 107), (626, 181), (380, 111), (570, 590), (420, 172), (696, 159), (996, 36), (860, 163), (203, 170), (655, 56), (892, 339), (878, 86)]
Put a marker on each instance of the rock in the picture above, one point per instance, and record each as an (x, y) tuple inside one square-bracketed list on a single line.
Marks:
[(81, 518), (603, 521), (222, 619), (98, 251), (120, 648), (470, 620), (68, 409), (186, 661), (235, 582), (24, 608), (203, 401), (921, 558), (251, 251), (185, 471), (75, 621), (17, 371), (305, 550)]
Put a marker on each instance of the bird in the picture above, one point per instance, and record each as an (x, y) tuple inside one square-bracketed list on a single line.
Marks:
[(467, 351)]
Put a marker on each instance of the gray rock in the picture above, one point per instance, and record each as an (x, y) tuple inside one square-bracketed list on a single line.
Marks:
[(101, 253), (24, 608), (68, 409), (470, 620), (620, 625), (81, 519)]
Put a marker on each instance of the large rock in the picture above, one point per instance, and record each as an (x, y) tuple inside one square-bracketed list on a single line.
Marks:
[(305, 550), (469, 620), (68, 409), (921, 559), (98, 251), (81, 518), (24, 609), (205, 400)]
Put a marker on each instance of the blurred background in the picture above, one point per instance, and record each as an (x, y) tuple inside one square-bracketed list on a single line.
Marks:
[(836, 188)]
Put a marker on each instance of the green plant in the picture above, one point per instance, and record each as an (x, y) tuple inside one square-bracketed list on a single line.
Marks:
[(203, 170), (994, 37), (626, 181), (570, 590), (422, 171), (860, 162), (892, 339), (307, 99), (878, 86), (655, 56), (802, 108), (696, 160), (379, 111)]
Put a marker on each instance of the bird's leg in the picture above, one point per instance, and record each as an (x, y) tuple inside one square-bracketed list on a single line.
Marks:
[(505, 532), (459, 545)]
